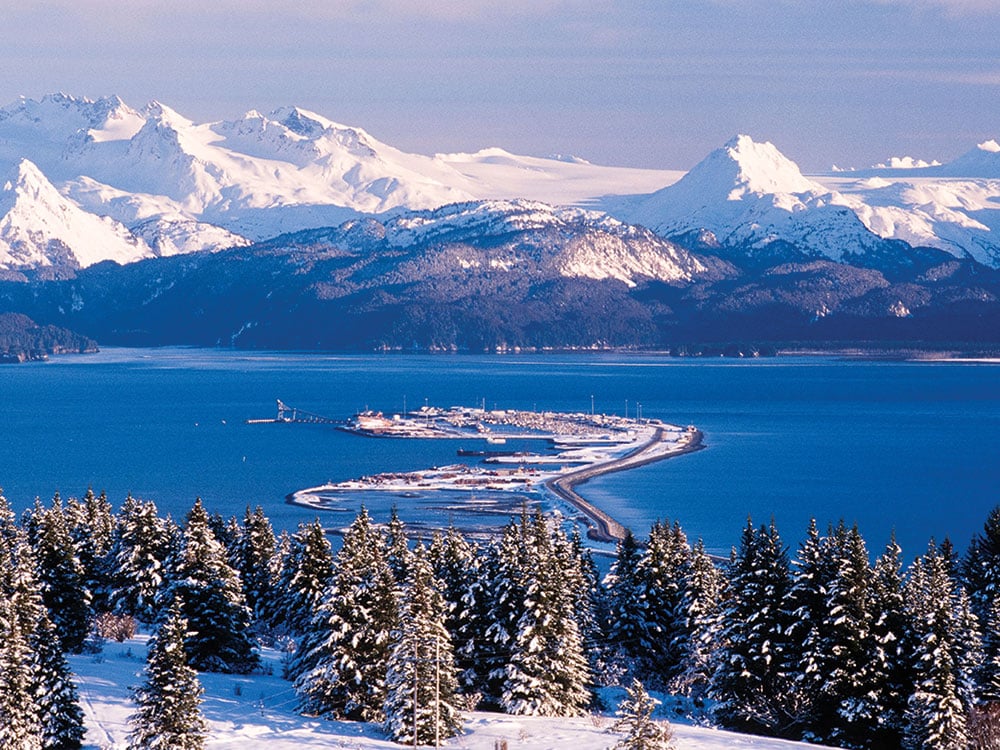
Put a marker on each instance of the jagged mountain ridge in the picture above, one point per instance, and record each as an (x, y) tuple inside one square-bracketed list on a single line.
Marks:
[(187, 187)]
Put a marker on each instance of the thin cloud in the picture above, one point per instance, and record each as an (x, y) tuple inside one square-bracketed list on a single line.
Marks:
[(950, 7)]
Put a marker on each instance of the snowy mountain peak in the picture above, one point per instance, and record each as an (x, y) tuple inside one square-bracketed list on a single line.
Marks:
[(744, 165), (39, 228), (25, 182), (302, 122)]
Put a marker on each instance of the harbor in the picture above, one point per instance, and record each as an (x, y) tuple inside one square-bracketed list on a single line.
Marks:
[(573, 448)]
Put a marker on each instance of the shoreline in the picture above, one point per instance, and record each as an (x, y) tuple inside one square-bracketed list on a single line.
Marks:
[(589, 446)]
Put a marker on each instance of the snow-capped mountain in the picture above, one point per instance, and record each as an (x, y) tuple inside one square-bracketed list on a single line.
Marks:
[(568, 242), (751, 198), (954, 207), (41, 229), (519, 239), (180, 186)]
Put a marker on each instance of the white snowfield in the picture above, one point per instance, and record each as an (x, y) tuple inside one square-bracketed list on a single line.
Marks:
[(167, 185), (258, 711)]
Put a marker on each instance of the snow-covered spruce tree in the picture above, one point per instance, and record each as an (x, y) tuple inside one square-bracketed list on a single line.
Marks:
[(548, 673), (831, 646), (342, 662), (591, 606), (139, 549), (56, 695), (626, 619), (210, 596), (703, 590), (35, 681), (935, 717), (456, 566), (422, 704), (503, 585), (91, 525), (750, 684), (20, 720), (980, 572), (890, 663), (661, 570), (168, 714), (61, 575), (306, 572), (397, 547), (20, 610), (253, 555), (636, 723), (850, 684)]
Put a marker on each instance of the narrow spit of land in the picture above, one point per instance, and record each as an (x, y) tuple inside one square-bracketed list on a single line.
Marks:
[(605, 528), (587, 445)]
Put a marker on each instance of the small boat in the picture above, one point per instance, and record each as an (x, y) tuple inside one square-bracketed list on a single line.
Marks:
[(496, 440)]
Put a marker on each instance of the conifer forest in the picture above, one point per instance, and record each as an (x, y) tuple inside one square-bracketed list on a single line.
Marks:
[(823, 641)]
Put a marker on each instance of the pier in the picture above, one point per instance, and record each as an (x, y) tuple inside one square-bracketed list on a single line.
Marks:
[(292, 415)]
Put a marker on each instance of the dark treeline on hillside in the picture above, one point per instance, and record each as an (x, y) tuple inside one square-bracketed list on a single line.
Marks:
[(820, 644), (21, 339)]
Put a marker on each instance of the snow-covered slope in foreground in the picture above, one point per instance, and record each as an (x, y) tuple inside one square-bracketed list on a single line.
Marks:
[(258, 711)]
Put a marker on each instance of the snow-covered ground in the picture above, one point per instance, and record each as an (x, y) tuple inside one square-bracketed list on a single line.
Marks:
[(258, 711)]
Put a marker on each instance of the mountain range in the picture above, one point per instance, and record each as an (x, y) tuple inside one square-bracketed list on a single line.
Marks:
[(113, 220)]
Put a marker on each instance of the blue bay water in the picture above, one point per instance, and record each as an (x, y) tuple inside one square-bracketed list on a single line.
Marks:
[(910, 447)]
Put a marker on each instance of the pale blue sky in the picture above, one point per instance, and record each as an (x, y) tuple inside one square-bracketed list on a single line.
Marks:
[(655, 83)]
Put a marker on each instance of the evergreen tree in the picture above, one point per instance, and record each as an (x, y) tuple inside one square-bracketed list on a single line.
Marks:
[(61, 575), (661, 570), (626, 622), (210, 596), (750, 683), (20, 611), (850, 683), (890, 663), (139, 549), (547, 674), (397, 550), (306, 572), (91, 526), (935, 718), (457, 567), (980, 572), (254, 559), (703, 591), (56, 695), (591, 606), (635, 721), (168, 715), (20, 719), (504, 585), (422, 704), (340, 669)]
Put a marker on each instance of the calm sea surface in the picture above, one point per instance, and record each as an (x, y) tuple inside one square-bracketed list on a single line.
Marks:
[(913, 447)]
